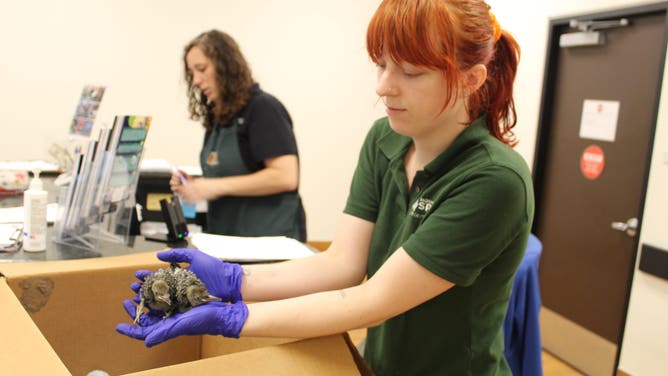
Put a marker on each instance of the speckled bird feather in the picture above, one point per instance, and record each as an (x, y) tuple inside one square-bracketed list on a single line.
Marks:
[(171, 289)]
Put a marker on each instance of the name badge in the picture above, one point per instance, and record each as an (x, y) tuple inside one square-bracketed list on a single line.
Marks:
[(212, 159)]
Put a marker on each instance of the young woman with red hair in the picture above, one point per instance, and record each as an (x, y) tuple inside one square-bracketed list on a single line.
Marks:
[(438, 215)]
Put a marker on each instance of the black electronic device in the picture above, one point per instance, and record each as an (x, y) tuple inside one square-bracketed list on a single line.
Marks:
[(177, 227), (151, 188)]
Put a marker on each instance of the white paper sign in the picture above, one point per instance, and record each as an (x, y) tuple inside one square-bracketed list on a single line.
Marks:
[(599, 120)]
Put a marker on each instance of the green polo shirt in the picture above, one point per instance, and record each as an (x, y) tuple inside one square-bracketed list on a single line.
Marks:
[(466, 218)]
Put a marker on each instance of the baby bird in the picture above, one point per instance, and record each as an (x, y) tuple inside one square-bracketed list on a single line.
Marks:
[(170, 289), (157, 292), (190, 290)]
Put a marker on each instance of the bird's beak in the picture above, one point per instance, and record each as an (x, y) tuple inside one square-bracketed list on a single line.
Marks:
[(165, 299), (211, 298), (207, 298)]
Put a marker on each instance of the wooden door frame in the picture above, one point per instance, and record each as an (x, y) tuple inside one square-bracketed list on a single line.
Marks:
[(556, 27)]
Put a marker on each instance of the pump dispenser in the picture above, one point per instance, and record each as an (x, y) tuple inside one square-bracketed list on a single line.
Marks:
[(34, 215)]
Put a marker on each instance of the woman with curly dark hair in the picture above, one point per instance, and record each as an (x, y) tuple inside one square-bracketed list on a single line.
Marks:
[(249, 158)]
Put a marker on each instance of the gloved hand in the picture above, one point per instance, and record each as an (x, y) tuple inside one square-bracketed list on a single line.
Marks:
[(135, 286), (146, 319), (222, 279), (215, 318)]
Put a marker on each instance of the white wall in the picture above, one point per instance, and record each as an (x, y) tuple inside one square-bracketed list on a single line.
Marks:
[(644, 347), (311, 55)]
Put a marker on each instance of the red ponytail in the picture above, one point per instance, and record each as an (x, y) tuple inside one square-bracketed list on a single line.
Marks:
[(496, 94)]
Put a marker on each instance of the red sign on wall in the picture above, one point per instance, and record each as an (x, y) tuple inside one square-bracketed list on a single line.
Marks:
[(592, 162)]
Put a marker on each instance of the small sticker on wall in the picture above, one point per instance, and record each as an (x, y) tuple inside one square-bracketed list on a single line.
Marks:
[(599, 120), (592, 162)]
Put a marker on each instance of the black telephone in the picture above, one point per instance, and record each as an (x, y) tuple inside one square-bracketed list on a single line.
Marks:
[(177, 227)]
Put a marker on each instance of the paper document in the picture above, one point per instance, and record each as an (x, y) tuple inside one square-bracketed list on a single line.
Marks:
[(28, 166), (15, 214), (264, 248), (163, 165), (155, 165), (9, 236)]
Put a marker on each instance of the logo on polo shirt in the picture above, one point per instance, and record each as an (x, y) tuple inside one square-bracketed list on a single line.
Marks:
[(421, 207)]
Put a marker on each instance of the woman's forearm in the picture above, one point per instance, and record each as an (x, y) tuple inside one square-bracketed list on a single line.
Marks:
[(320, 272), (313, 315), (281, 174)]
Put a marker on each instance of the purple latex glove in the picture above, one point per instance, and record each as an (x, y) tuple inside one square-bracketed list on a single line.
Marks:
[(222, 279), (215, 318)]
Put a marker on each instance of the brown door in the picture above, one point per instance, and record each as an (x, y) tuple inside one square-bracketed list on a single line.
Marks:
[(598, 116)]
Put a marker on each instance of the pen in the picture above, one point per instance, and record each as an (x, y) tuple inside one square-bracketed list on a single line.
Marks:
[(183, 178)]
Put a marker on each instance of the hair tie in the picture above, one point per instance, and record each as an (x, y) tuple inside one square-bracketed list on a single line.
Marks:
[(497, 28)]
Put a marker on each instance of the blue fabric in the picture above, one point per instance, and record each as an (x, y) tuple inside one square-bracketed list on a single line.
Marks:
[(521, 327)]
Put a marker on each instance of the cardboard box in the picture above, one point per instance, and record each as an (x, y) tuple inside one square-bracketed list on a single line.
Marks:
[(59, 318)]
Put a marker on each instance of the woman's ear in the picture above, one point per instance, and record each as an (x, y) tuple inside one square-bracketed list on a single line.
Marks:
[(475, 77)]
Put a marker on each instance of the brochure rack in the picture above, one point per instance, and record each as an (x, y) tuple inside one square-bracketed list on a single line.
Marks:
[(99, 200)]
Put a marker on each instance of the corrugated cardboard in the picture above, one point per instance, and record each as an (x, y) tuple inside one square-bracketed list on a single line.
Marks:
[(22, 343), (326, 356), (60, 316)]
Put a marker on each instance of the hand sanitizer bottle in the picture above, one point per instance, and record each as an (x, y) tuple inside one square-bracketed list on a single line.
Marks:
[(34, 216)]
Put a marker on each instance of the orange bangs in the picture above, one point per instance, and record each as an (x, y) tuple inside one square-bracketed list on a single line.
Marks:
[(420, 33)]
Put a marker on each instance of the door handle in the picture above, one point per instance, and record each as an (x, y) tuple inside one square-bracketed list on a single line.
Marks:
[(629, 226)]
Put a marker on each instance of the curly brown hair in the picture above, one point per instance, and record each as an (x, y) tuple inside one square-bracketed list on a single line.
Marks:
[(233, 76)]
